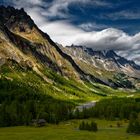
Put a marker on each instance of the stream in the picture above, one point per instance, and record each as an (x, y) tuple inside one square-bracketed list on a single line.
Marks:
[(86, 105)]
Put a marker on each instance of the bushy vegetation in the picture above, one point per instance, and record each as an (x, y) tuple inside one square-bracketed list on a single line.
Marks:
[(134, 123), (88, 126)]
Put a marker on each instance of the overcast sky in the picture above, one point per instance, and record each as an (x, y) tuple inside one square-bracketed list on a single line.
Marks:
[(98, 24)]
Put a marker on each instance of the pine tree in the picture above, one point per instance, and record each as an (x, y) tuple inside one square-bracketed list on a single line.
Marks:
[(94, 126), (130, 127), (134, 124), (82, 125)]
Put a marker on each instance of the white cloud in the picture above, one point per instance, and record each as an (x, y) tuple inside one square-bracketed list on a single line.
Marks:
[(58, 7), (106, 39), (62, 32), (128, 14), (22, 3), (55, 8), (92, 26), (65, 33), (36, 15)]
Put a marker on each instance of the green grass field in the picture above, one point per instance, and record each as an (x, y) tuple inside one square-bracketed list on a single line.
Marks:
[(68, 131)]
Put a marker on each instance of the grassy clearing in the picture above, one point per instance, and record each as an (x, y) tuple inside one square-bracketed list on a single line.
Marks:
[(68, 131)]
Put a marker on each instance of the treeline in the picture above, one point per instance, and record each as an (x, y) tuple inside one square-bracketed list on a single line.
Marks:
[(19, 105), (111, 109), (22, 113)]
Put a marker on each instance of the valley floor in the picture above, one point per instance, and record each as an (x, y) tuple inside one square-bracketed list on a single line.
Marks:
[(68, 131)]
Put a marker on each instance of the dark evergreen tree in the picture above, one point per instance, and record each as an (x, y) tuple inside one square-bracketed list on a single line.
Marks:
[(88, 126), (93, 127), (134, 125)]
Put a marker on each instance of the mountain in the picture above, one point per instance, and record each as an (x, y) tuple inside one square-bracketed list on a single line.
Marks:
[(105, 65), (22, 32), (30, 60)]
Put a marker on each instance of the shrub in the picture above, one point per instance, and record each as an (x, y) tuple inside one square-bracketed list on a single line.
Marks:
[(134, 125), (88, 126)]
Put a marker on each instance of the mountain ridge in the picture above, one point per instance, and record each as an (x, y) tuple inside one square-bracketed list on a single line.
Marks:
[(38, 51), (24, 26), (105, 61)]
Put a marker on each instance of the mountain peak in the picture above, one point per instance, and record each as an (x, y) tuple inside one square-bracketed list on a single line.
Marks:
[(15, 19), (12, 10), (106, 54), (22, 41), (99, 53), (104, 61)]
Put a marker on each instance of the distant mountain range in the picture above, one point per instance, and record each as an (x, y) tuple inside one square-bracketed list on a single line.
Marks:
[(24, 44), (105, 65), (104, 57)]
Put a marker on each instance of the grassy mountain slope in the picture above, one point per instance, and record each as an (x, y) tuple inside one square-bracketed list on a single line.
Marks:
[(37, 79), (29, 59)]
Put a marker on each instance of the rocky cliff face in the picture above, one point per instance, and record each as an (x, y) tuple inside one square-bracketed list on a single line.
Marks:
[(23, 42), (23, 35), (37, 46), (104, 64)]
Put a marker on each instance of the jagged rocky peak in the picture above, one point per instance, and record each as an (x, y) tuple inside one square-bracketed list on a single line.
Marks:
[(105, 64), (22, 40), (103, 54), (76, 46), (15, 18), (27, 38)]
